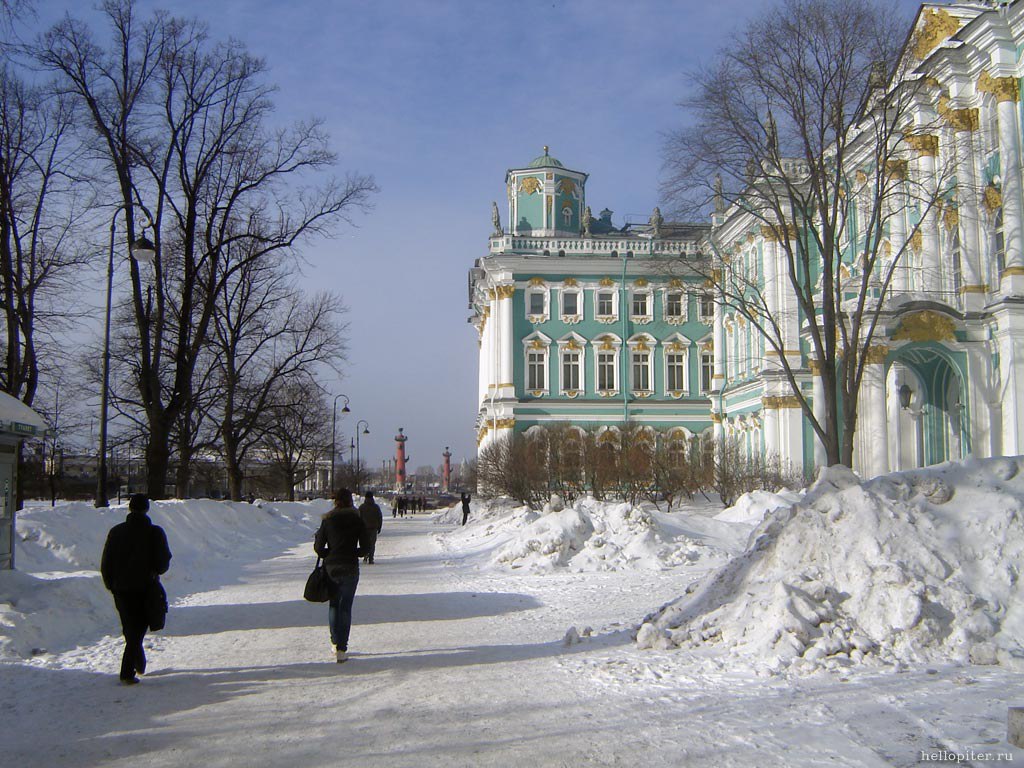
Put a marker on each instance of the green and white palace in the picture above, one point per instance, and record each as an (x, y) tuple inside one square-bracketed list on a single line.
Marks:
[(580, 323), (577, 322)]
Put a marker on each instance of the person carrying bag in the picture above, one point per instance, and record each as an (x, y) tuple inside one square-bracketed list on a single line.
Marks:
[(341, 541)]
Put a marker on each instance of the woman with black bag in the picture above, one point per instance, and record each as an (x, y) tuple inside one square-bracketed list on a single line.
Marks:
[(341, 541), (134, 556)]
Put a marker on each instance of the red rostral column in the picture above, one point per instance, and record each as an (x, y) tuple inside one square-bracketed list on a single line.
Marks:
[(447, 469), (400, 460)]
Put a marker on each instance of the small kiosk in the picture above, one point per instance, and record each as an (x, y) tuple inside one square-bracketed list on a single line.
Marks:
[(17, 422)]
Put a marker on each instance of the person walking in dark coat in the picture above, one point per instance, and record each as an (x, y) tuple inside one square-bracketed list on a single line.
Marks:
[(134, 556), (341, 541), (465, 507), (374, 522)]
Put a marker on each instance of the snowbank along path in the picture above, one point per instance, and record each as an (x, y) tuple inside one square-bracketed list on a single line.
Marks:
[(457, 664)]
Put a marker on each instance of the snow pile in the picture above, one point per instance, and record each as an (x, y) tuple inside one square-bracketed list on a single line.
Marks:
[(589, 536), (750, 508), (56, 599), (909, 567)]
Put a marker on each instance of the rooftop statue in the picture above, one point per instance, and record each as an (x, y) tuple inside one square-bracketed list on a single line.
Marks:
[(496, 220), (587, 218), (656, 221)]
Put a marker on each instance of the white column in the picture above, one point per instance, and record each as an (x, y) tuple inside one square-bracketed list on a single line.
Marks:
[(931, 273), (965, 122), (504, 386), (771, 426), (897, 204), (873, 426), (1010, 340), (818, 408), (1009, 168), (791, 433)]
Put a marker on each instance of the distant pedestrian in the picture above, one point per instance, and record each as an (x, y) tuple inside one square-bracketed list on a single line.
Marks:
[(374, 522), (465, 507), (341, 541), (134, 556), (394, 506)]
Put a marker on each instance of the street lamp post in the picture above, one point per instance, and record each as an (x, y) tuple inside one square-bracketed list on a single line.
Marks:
[(366, 431), (143, 251), (334, 434)]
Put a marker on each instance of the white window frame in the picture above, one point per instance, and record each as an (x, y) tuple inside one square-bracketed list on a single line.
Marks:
[(677, 344), (707, 318), (574, 317), (614, 293), (537, 344), (607, 344), (707, 371), (681, 317), (572, 344), (642, 345), (648, 316), (528, 295)]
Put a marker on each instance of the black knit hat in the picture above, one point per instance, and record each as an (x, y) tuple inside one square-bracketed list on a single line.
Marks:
[(139, 502)]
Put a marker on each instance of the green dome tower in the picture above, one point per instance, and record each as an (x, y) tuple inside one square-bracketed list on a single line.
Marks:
[(545, 198)]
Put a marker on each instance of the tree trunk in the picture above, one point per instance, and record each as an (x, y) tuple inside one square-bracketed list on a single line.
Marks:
[(157, 460), (234, 470)]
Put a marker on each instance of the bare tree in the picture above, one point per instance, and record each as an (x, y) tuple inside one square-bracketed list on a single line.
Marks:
[(265, 332), (183, 124), (804, 126), (298, 437)]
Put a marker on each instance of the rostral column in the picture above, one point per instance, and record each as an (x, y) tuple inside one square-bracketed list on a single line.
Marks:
[(447, 477), (400, 459)]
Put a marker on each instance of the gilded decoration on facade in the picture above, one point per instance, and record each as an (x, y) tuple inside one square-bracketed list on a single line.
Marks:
[(529, 185), (505, 423), (572, 344), (675, 283), (549, 175), (536, 281), (950, 218), (716, 418), (537, 344), (917, 240), (860, 177), (1003, 88), (567, 186), (897, 169), (937, 26), (505, 291), (641, 282), (772, 403), (924, 143), (814, 367), (570, 282), (606, 282), (925, 326), (675, 346), (775, 233), (993, 198), (876, 354), (607, 344), (491, 294)]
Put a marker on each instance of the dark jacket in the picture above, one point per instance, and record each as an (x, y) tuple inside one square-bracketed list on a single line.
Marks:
[(136, 552), (340, 541), (372, 517)]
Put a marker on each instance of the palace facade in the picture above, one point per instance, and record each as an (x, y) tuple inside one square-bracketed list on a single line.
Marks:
[(580, 321)]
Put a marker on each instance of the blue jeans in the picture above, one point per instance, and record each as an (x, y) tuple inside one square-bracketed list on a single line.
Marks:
[(339, 612)]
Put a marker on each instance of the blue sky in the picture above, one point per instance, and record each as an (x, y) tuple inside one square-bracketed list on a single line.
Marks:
[(437, 100)]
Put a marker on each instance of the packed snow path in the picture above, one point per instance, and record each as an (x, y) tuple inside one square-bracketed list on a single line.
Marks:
[(457, 667)]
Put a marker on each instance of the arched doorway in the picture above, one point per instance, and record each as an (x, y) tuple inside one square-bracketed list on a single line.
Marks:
[(926, 405)]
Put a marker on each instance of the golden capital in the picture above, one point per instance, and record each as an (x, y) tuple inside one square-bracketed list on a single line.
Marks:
[(963, 119), (716, 418), (875, 355), (777, 232), (897, 168), (1003, 88), (926, 144), (505, 291), (815, 367), (992, 198)]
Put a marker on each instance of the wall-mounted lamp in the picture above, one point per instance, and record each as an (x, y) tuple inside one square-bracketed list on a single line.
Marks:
[(905, 394)]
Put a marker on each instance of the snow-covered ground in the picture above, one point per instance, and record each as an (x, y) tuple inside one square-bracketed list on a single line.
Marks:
[(514, 639)]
